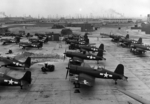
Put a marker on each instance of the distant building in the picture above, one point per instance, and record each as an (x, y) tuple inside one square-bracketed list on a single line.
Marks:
[(117, 20), (3, 30), (87, 27)]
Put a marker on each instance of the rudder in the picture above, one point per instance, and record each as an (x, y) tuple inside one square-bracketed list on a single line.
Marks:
[(100, 53), (28, 62), (101, 46), (140, 41), (119, 69), (27, 77)]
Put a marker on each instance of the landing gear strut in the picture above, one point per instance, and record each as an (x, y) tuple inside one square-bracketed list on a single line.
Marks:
[(77, 86), (115, 82)]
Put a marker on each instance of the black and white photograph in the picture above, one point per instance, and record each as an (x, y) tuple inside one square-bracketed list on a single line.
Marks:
[(74, 51)]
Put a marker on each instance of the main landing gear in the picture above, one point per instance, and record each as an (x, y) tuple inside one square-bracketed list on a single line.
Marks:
[(77, 86), (115, 81)]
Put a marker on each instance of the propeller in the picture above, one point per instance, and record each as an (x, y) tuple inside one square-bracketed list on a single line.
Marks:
[(65, 55), (67, 71)]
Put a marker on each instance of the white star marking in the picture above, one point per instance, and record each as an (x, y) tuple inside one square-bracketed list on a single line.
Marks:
[(76, 78), (17, 64), (85, 82), (106, 75), (11, 81), (110, 75)]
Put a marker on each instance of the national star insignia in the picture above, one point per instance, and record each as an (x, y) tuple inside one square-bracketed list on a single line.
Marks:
[(106, 75), (11, 81), (85, 82)]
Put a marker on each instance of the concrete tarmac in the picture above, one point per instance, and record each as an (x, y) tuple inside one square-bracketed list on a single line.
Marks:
[(53, 88)]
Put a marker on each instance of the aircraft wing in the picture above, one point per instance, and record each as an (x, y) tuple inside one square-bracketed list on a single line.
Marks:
[(134, 96), (77, 59), (92, 44), (139, 49), (85, 79)]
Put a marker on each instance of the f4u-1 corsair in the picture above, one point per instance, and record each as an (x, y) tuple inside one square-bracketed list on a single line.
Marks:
[(115, 38), (12, 62), (91, 48), (6, 80), (126, 42), (86, 75), (81, 56), (31, 45), (139, 48)]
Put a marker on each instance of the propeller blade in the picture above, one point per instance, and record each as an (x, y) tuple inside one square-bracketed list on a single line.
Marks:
[(67, 73), (65, 55)]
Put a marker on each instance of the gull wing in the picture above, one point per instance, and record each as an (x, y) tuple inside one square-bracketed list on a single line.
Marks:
[(85, 79), (77, 59)]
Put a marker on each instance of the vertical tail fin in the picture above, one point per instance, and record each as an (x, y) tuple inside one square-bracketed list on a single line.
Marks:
[(17, 40), (119, 69), (100, 53), (27, 77), (140, 41), (101, 47), (127, 36), (41, 44), (28, 62)]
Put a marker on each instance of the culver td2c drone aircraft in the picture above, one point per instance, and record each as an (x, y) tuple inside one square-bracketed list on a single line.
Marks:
[(12, 62), (81, 56), (87, 75), (6, 80), (31, 45)]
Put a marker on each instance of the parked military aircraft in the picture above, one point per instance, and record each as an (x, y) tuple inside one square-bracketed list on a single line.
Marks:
[(91, 48), (31, 45), (139, 48), (12, 62), (134, 96), (86, 75), (35, 40), (81, 42), (115, 38), (6, 80), (88, 56), (9, 41), (126, 42)]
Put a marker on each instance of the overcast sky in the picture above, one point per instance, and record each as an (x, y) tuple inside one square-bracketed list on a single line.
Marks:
[(128, 8)]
